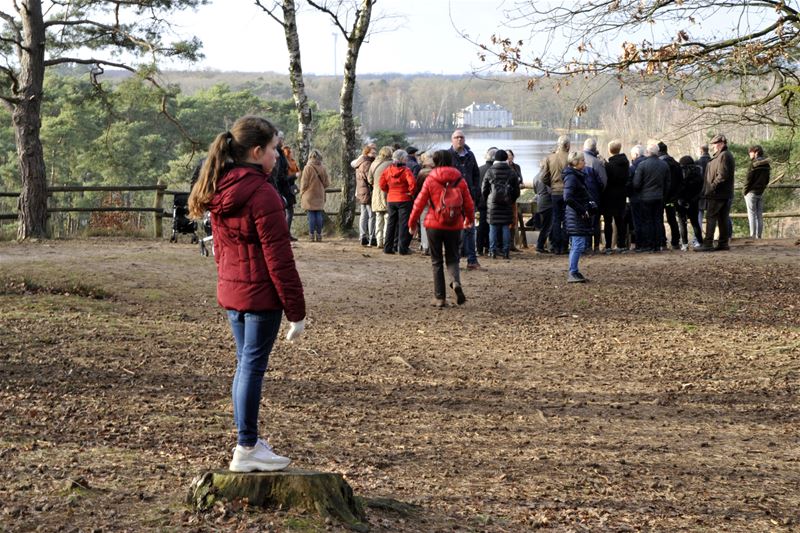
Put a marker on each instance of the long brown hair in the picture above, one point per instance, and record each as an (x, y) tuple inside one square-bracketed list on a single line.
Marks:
[(229, 147)]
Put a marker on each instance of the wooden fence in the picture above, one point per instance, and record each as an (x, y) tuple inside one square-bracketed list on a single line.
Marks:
[(158, 211)]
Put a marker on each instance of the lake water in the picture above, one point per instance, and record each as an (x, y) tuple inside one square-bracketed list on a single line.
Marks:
[(529, 146)]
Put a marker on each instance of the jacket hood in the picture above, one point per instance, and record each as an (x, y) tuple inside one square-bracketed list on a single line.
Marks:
[(761, 162), (235, 188), (394, 171), (444, 175)]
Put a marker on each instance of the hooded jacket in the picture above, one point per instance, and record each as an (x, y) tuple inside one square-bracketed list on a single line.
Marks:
[(501, 173), (757, 176), (312, 187), (431, 193), (398, 183), (577, 198), (255, 264)]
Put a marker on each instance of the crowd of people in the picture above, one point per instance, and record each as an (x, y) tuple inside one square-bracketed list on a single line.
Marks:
[(584, 202)]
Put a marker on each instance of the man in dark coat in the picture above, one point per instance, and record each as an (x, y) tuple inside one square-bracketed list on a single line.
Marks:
[(718, 192), (612, 203), (464, 160), (637, 156), (650, 181), (673, 189)]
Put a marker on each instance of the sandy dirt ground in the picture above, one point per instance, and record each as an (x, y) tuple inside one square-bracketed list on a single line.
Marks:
[(664, 395)]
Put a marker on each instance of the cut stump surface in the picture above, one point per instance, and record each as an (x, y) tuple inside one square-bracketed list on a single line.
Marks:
[(325, 494)]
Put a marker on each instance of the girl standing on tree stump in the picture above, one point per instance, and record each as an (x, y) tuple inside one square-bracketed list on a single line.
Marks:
[(257, 277)]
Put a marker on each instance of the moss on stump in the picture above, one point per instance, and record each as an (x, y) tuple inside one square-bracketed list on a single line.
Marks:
[(327, 495)]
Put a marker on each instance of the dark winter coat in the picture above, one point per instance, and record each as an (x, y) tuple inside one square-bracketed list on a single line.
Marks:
[(703, 162), (757, 176), (633, 194), (692, 186), (617, 168), (468, 166), (500, 174), (719, 176), (675, 179), (255, 264), (651, 179), (594, 184), (577, 198)]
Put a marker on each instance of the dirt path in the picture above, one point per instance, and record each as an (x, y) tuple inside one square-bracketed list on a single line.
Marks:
[(661, 396)]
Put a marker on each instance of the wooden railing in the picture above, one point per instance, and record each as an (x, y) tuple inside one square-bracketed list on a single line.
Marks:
[(158, 210)]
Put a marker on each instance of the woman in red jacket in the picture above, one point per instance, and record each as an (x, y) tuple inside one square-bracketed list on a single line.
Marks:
[(398, 183), (450, 210), (257, 279)]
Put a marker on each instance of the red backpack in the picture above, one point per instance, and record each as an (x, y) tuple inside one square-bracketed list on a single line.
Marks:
[(451, 204)]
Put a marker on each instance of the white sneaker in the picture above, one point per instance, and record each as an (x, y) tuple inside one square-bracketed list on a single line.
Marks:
[(684, 247), (260, 457)]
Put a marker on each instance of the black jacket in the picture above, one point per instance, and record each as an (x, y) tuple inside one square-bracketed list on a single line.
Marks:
[(757, 176), (500, 175), (577, 198), (651, 179), (617, 168), (468, 166)]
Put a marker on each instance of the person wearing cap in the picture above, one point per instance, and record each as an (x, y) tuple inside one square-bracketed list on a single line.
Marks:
[(500, 191), (412, 163), (718, 192)]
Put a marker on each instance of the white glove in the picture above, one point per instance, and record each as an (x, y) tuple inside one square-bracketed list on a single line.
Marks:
[(295, 329)]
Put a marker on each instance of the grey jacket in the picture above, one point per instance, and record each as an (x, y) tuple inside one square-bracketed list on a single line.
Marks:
[(651, 179)]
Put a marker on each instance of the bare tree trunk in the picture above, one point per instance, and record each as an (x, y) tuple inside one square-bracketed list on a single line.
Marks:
[(27, 124), (298, 85), (347, 208)]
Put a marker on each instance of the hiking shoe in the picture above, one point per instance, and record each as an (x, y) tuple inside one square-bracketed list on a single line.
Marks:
[(474, 266), (506, 256), (684, 247), (439, 302), (722, 248), (575, 278), (585, 279), (460, 298), (364, 241), (259, 458), (373, 242), (542, 251), (705, 249)]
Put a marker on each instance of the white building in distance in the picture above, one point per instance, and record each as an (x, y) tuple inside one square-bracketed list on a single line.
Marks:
[(484, 116)]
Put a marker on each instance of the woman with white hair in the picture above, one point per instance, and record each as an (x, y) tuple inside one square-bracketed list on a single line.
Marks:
[(312, 193), (579, 214)]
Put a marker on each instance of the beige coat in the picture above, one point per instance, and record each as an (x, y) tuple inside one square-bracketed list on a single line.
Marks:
[(312, 187), (374, 178)]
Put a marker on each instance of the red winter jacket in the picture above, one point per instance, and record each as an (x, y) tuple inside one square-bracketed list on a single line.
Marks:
[(399, 183), (431, 193), (255, 264)]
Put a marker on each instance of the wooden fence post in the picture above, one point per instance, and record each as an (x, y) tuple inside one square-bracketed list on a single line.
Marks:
[(159, 214)]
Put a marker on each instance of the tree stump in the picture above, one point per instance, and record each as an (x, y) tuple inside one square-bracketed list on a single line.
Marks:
[(327, 495)]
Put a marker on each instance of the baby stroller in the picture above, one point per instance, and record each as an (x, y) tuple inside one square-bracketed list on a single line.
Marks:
[(207, 242), (180, 219)]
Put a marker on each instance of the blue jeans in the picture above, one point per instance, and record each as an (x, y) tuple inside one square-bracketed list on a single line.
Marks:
[(755, 214), (254, 334), (577, 244), (366, 222), (493, 229), (314, 222), (468, 247)]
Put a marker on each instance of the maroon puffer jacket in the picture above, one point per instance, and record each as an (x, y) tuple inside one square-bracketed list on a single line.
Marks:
[(255, 263)]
